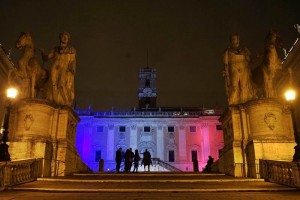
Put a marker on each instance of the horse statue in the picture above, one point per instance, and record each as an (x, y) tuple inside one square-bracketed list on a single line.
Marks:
[(264, 75), (30, 76)]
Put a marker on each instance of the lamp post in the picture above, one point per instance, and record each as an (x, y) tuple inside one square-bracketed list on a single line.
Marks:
[(290, 96), (4, 154)]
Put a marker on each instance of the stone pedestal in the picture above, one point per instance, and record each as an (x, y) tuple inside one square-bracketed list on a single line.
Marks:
[(39, 129), (259, 129)]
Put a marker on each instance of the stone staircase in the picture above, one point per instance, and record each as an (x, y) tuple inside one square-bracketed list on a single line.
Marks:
[(148, 183)]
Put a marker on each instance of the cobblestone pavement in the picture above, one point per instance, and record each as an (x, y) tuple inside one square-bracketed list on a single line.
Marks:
[(149, 186)]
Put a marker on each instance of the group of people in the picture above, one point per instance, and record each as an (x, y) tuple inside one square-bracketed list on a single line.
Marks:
[(131, 158)]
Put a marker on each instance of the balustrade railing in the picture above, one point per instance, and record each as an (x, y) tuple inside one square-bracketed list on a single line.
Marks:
[(282, 172), (20, 171), (157, 161)]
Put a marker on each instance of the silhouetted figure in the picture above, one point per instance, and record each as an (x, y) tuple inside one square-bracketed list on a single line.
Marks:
[(118, 159), (128, 159), (147, 160), (136, 160), (209, 164)]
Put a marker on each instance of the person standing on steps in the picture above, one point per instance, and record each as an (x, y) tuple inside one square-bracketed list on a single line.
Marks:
[(136, 160), (118, 159)]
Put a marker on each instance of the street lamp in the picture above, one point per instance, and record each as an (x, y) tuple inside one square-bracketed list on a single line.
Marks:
[(4, 154), (290, 96)]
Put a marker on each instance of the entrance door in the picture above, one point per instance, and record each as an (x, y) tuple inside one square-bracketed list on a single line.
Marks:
[(171, 156), (194, 156)]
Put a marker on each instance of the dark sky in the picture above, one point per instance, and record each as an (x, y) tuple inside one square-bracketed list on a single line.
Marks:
[(185, 40)]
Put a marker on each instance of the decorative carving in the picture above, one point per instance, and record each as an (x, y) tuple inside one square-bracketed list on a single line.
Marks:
[(28, 121), (204, 125), (133, 127), (270, 120)]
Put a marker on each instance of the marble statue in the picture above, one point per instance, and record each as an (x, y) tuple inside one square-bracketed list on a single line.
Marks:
[(237, 72), (30, 77), (61, 90)]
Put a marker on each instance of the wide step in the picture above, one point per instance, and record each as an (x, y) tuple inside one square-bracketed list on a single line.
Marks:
[(149, 182)]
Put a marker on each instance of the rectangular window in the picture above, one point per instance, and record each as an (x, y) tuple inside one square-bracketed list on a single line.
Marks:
[(99, 129), (193, 129), (97, 156), (219, 127), (147, 129), (170, 128), (171, 156), (122, 129)]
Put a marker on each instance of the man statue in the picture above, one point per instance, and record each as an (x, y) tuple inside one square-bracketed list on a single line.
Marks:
[(237, 72), (63, 67)]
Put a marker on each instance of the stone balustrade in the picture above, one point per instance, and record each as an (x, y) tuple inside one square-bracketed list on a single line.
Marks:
[(282, 172), (19, 171)]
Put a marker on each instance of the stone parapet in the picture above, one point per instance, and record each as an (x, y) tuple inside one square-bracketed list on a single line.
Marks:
[(258, 129)]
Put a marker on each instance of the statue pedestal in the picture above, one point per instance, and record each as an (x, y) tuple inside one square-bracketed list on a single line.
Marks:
[(258, 129), (40, 129)]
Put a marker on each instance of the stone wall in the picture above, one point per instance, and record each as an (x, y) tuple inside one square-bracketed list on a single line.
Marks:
[(39, 129), (259, 129)]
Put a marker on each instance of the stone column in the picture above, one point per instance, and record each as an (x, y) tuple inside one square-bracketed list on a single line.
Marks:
[(206, 144), (133, 137), (110, 142), (160, 143), (182, 143)]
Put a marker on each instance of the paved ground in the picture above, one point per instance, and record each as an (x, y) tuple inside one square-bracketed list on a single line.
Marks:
[(149, 186)]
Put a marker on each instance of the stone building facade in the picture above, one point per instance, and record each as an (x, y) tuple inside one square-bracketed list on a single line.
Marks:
[(176, 137)]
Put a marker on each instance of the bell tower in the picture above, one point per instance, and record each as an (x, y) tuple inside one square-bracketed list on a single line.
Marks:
[(147, 88)]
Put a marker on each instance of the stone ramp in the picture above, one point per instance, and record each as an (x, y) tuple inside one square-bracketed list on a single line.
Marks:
[(149, 183)]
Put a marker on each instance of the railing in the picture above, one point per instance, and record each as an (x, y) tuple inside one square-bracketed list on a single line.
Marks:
[(179, 114), (20, 171), (286, 173), (157, 161)]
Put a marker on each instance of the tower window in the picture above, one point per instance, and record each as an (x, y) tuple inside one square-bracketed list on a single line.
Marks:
[(147, 83), (122, 129), (170, 128), (147, 129)]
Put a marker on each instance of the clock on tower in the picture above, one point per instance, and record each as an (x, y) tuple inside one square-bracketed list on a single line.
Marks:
[(147, 88)]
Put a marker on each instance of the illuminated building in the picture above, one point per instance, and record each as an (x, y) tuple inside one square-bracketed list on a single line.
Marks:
[(176, 136)]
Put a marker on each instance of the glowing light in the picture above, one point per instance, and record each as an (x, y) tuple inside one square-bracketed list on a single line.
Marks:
[(290, 95), (11, 93)]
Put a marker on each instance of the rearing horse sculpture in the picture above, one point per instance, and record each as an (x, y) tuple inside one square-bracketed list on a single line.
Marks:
[(28, 67), (264, 75), (271, 63)]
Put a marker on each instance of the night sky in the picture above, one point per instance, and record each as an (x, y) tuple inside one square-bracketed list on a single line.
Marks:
[(185, 40)]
